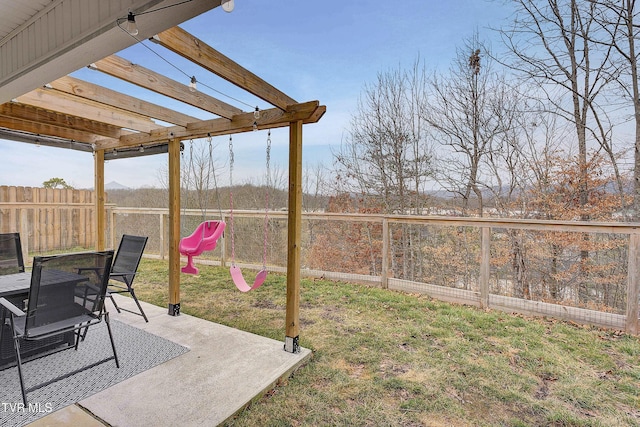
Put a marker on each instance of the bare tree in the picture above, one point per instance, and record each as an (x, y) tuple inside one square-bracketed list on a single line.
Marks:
[(386, 156), (552, 42), (314, 190), (470, 113), (618, 20)]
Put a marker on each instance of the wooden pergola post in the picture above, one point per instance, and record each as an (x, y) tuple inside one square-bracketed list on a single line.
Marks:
[(294, 229), (99, 199), (174, 227), (485, 266)]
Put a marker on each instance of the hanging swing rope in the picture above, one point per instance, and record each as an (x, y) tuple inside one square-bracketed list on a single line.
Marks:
[(187, 181), (233, 239), (215, 180), (235, 271), (266, 204)]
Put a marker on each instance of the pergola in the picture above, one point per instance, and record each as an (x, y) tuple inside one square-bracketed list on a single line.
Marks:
[(42, 41)]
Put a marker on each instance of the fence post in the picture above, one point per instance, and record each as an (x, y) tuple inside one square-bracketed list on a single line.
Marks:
[(112, 230), (24, 232), (385, 253), (485, 258), (162, 226), (633, 283)]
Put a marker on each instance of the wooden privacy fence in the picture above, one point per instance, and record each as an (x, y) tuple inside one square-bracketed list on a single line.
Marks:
[(48, 219)]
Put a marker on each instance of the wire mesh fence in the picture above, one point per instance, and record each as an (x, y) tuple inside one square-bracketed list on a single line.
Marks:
[(584, 272), (574, 271)]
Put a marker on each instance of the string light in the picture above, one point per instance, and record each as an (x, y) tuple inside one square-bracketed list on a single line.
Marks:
[(131, 26), (143, 44), (227, 5), (132, 29)]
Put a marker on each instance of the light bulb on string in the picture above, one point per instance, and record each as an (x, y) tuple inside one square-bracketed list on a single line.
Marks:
[(255, 126), (131, 27), (193, 84), (227, 5), (256, 113)]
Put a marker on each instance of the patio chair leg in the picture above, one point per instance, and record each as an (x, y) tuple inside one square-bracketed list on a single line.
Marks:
[(133, 295), (114, 303), (16, 346), (77, 339), (113, 344), (84, 333)]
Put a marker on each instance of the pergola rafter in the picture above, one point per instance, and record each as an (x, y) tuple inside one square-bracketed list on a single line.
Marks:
[(143, 77), (39, 117), (116, 99), (71, 105), (197, 51)]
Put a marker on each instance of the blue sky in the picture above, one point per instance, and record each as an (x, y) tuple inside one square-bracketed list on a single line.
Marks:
[(311, 50)]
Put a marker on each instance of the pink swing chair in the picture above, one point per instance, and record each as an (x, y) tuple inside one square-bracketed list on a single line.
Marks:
[(204, 238)]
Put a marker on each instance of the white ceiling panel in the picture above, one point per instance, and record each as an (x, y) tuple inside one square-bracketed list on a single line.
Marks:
[(43, 40)]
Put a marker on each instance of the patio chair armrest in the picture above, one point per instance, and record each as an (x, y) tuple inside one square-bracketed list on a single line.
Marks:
[(122, 273), (12, 308), (96, 270), (92, 286)]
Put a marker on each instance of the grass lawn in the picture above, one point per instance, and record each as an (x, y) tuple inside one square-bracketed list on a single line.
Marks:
[(384, 358)]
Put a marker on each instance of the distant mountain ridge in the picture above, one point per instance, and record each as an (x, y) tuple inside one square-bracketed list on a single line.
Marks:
[(113, 185)]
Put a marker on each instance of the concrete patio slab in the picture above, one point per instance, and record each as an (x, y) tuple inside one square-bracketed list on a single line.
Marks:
[(224, 371)]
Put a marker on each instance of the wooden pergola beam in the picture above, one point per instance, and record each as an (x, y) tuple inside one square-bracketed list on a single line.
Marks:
[(41, 116), (119, 100), (44, 129), (143, 77), (75, 106), (307, 112), (190, 47)]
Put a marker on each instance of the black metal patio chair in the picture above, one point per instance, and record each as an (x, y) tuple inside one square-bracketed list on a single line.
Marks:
[(11, 260), (62, 301), (124, 269)]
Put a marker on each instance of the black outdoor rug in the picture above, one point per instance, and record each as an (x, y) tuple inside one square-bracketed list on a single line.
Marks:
[(137, 351)]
